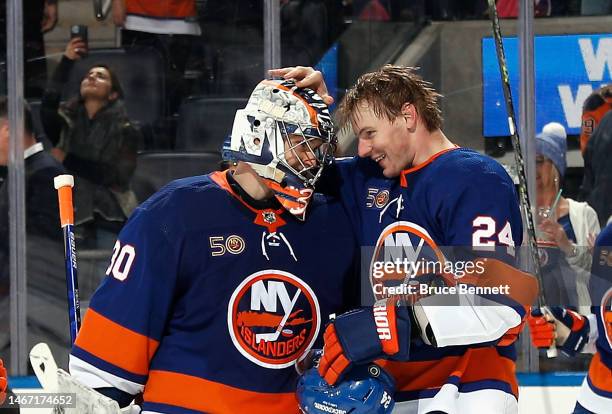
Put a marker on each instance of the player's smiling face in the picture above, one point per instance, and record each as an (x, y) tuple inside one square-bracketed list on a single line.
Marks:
[(384, 141)]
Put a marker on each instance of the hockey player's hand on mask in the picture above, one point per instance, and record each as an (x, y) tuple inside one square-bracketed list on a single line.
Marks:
[(3, 382), (364, 335), (568, 329)]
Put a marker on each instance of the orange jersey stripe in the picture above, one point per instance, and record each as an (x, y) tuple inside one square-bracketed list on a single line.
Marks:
[(115, 344), (475, 365), (163, 9), (164, 387), (599, 374)]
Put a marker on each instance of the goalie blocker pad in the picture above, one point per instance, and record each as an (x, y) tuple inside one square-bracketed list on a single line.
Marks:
[(88, 401), (477, 319)]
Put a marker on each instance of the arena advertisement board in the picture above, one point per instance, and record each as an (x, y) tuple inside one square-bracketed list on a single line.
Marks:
[(567, 69)]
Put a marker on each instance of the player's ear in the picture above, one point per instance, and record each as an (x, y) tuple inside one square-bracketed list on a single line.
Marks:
[(409, 114)]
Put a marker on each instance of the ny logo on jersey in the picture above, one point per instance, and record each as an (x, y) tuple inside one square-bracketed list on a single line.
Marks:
[(405, 243), (273, 318)]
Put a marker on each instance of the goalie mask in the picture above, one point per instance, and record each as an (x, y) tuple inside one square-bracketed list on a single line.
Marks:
[(286, 135)]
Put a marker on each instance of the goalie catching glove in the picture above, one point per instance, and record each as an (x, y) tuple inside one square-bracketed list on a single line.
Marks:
[(568, 329), (362, 336)]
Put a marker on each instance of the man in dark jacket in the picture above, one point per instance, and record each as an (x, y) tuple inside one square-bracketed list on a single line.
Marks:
[(40, 169), (597, 181), (44, 236)]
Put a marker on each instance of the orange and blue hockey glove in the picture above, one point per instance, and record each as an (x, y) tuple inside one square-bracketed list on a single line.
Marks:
[(568, 329), (3, 382), (362, 336)]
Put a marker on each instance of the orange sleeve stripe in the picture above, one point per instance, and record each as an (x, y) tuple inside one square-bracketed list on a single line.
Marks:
[(164, 387), (599, 374), (116, 344), (475, 365)]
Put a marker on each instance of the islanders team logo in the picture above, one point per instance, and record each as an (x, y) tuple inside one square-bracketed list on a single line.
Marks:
[(273, 318), (403, 250), (377, 198), (381, 199), (235, 244)]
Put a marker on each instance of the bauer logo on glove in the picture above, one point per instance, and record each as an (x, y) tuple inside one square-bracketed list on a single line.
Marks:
[(362, 336)]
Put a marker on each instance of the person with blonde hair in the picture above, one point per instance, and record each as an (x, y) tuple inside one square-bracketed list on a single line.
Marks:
[(567, 226)]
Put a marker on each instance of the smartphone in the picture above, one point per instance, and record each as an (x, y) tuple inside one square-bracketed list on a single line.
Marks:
[(80, 30)]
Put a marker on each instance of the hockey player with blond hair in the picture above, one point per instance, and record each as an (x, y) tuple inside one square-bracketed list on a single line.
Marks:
[(412, 189)]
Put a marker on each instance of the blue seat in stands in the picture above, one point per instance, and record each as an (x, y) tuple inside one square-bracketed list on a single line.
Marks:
[(156, 169), (205, 122)]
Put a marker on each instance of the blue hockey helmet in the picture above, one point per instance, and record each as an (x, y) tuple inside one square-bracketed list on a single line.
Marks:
[(279, 124), (366, 389)]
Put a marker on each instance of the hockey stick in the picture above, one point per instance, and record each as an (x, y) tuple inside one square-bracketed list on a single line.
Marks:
[(518, 159), (271, 337), (63, 185)]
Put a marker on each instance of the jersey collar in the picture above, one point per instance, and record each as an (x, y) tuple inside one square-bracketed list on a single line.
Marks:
[(404, 173), (268, 217)]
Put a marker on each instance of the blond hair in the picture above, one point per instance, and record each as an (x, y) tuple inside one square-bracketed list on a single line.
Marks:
[(386, 90)]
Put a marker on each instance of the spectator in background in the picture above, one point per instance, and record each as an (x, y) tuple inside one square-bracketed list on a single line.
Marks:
[(597, 180), (572, 226), (39, 17), (170, 26), (456, 10), (593, 109), (41, 197), (510, 8), (44, 237), (303, 41), (97, 143), (373, 10)]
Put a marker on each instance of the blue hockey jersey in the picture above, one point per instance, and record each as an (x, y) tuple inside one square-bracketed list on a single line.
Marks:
[(208, 302), (596, 392), (458, 197)]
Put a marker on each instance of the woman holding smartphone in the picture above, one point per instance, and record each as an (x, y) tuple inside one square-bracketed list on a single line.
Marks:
[(95, 140)]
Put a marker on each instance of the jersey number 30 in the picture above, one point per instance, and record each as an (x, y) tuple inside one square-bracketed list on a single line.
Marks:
[(121, 262)]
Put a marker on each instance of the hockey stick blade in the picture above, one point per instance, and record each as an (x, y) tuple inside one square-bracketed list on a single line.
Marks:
[(54, 380), (44, 366)]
